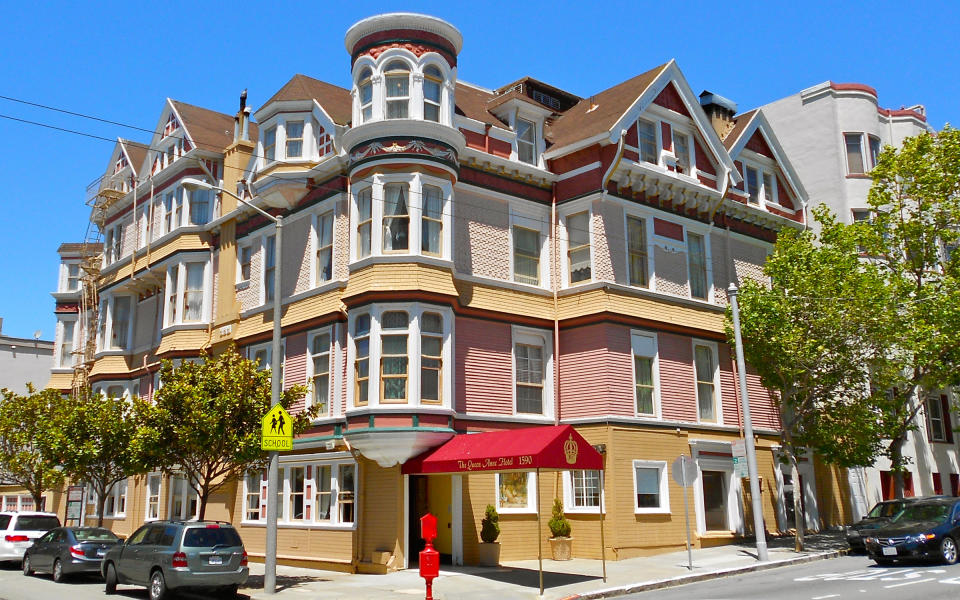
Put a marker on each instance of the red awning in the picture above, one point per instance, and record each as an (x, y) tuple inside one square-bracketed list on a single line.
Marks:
[(558, 448)]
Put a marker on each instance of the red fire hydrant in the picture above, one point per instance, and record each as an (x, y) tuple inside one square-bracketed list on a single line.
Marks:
[(429, 557)]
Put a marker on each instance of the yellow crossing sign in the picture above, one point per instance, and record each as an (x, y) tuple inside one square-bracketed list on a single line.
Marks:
[(277, 430)]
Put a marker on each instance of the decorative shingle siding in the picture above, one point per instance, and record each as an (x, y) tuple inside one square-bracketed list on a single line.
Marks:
[(341, 239), (608, 249), (249, 297), (671, 268), (484, 363), (481, 236), (300, 249)]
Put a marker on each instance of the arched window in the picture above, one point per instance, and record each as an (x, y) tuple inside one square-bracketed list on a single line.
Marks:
[(365, 89), (397, 78), (432, 80)]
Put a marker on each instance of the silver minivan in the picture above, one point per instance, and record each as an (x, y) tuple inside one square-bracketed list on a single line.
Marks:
[(171, 555)]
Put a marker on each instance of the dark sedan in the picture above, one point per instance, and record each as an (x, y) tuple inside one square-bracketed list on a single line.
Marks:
[(926, 529), (879, 515), (69, 550)]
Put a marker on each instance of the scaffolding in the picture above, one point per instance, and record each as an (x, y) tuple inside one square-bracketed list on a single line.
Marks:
[(101, 195)]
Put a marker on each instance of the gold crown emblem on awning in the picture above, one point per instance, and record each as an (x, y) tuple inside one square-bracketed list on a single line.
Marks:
[(570, 449)]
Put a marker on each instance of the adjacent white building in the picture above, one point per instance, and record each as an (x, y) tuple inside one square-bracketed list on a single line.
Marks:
[(23, 361)]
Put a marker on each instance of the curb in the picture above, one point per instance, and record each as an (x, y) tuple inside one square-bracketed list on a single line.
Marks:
[(659, 584)]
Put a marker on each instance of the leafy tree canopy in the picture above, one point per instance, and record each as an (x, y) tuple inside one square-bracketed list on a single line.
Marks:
[(29, 426)]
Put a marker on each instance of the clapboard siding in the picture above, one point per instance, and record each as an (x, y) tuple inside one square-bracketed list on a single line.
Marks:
[(484, 367)]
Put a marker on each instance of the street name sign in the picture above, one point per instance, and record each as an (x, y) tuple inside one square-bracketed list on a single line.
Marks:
[(277, 433)]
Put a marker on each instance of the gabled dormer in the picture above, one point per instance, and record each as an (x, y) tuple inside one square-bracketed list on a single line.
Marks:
[(768, 182), (526, 106)]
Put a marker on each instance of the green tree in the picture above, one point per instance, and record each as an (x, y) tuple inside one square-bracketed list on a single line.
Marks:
[(814, 338), (205, 421), (96, 443), (28, 427), (914, 226)]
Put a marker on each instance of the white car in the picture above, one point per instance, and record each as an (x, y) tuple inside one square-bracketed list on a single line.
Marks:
[(18, 530)]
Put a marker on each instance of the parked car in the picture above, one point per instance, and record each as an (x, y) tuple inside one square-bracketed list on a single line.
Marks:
[(166, 556), (925, 529), (879, 515), (20, 529), (66, 551)]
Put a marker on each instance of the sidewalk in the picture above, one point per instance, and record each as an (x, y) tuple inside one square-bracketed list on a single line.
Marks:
[(577, 578)]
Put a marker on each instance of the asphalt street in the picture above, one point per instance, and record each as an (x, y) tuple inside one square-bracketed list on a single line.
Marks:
[(15, 586), (846, 578)]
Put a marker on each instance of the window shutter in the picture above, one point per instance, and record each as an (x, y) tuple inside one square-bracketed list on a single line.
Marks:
[(947, 425), (926, 420)]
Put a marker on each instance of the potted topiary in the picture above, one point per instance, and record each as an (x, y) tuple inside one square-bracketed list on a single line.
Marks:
[(489, 550), (561, 542)]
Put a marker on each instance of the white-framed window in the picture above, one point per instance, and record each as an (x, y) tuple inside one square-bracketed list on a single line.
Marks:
[(187, 293), (578, 247), (324, 244), (144, 225), (707, 374), (532, 365), (638, 256), (115, 391), (113, 244), (262, 354), (935, 420), (526, 141), (697, 266), (516, 492), (650, 486), (582, 491), (71, 277), (183, 502), (172, 209), (401, 354), (397, 85), (647, 138), (270, 144), (752, 182), (318, 348), (254, 483), (116, 323), (681, 150), (365, 94), (67, 342), (244, 258), (115, 506), (875, 148), (526, 255), (853, 143), (760, 184), (294, 134), (311, 493), (646, 375), (269, 250), (409, 210), (432, 93), (152, 512), (199, 201)]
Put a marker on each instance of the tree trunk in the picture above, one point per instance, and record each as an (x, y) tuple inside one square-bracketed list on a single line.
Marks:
[(799, 519), (101, 502), (896, 464)]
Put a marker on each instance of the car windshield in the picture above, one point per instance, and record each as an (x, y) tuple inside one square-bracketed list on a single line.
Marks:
[(885, 510), (95, 535), (923, 512), (208, 537), (36, 523)]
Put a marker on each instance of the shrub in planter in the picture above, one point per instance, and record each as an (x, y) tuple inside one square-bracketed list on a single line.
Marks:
[(559, 525), (490, 525)]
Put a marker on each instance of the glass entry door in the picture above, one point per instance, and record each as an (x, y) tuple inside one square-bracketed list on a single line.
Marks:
[(715, 500)]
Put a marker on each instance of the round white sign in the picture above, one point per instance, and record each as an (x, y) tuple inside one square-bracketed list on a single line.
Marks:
[(684, 470)]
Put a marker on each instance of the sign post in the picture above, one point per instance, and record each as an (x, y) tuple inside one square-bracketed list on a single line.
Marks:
[(684, 471)]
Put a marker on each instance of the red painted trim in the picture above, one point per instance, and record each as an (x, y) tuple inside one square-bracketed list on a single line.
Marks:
[(503, 184), (887, 112), (667, 229), (855, 87)]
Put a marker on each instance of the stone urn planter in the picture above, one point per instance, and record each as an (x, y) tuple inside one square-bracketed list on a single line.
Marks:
[(488, 554), (560, 547)]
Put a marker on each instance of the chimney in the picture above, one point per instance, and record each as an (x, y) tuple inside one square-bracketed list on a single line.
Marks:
[(241, 120), (720, 110)]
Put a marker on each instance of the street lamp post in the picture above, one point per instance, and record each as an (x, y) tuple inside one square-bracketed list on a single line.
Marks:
[(270, 560), (756, 503)]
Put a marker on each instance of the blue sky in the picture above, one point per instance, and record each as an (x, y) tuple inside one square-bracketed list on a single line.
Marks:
[(119, 61)]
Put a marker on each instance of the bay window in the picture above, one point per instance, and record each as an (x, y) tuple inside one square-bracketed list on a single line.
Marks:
[(365, 91), (68, 328), (116, 322), (411, 345), (269, 266), (200, 206), (323, 500), (432, 227), (526, 255), (319, 349), (310, 493), (251, 495), (396, 217), (73, 277), (404, 209), (153, 497), (324, 233), (364, 221), (853, 143), (186, 293), (526, 141), (270, 144), (294, 132), (244, 255), (184, 502), (193, 293)]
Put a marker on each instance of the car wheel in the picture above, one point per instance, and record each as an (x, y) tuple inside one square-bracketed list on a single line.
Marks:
[(948, 550), (57, 571), (230, 591), (27, 569), (158, 586), (110, 577)]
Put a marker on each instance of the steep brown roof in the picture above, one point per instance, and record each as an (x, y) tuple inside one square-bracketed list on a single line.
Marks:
[(137, 152), (335, 100), (473, 103), (600, 112), (210, 130), (740, 122)]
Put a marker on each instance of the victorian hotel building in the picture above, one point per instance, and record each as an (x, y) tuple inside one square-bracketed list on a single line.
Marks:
[(455, 259)]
